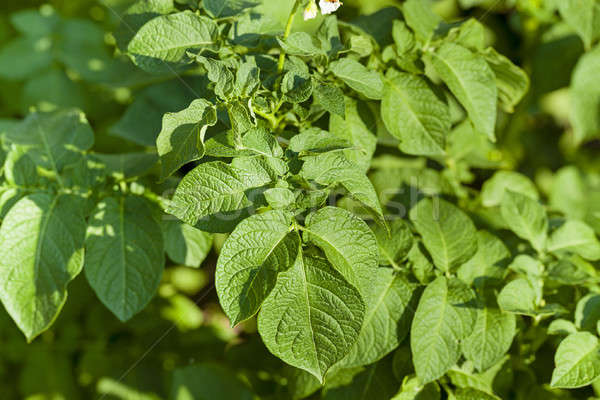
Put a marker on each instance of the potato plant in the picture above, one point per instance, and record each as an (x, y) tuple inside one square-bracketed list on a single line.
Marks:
[(392, 200)]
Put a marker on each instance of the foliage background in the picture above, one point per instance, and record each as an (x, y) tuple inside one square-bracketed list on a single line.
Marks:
[(88, 352)]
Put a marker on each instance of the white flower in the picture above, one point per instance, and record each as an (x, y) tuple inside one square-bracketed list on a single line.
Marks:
[(329, 6), (311, 11)]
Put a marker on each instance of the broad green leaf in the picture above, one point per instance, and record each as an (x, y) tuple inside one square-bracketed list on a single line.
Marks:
[(518, 297), (330, 97), (585, 97), (214, 188), (181, 139), (577, 361), (471, 80), (227, 8), (207, 382), (525, 217), (34, 23), (493, 189), (412, 389), (387, 318), (448, 233), (279, 197), (334, 168), (136, 16), (261, 141), (124, 257), (328, 35), (394, 244), (19, 168), (414, 114), (488, 265), (164, 40), (219, 74), (312, 317), (512, 81), (581, 16), (358, 127), (57, 138), (301, 44), (358, 77), (473, 394), (260, 248), (470, 34), (247, 78), (23, 57), (348, 243), (316, 141), (185, 244), (575, 237), (403, 37), (561, 327), (421, 18), (41, 247), (587, 312), (445, 316), (296, 86), (491, 337), (300, 384), (374, 382)]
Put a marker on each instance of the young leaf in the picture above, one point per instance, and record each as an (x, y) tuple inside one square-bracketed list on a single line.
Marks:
[(394, 244), (124, 257), (312, 317), (330, 97), (471, 80), (488, 265), (493, 189), (445, 316), (413, 113), (214, 188), (491, 337), (185, 244), (164, 40), (41, 248), (387, 318), (512, 81), (348, 243), (420, 17), (181, 139), (518, 297), (577, 361), (260, 248), (448, 233), (576, 237), (525, 217), (358, 77)]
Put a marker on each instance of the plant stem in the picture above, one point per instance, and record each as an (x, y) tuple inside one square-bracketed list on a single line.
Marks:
[(286, 33)]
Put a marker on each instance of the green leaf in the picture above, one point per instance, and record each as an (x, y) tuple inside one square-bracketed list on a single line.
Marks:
[(34, 23), (227, 8), (300, 44), (260, 248), (471, 80), (312, 317), (473, 394), (581, 16), (23, 57), (296, 86), (491, 337), (387, 318), (330, 97), (575, 237), (488, 265), (585, 97), (127, 165), (260, 141), (19, 168), (577, 361), (280, 197), (403, 38), (334, 168), (185, 244), (214, 188), (494, 188), (518, 297), (41, 243), (445, 316), (525, 217), (348, 243), (124, 257), (395, 244), (358, 127), (247, 78), (448, 233), (358, 77), (512, 81), (164, 40), (412, 389), (374, 382), (207, 381), (181, 139), (136, 16), (316, 141), (421, 18), (219, 74), (414, 114), (587, 312), (58, 138), (329, 36)]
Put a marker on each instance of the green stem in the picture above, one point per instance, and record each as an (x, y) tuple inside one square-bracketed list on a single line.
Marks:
[(286, 33)]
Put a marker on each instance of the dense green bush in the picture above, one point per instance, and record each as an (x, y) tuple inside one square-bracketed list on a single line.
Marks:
[(396, 200)]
